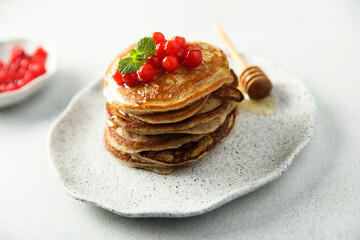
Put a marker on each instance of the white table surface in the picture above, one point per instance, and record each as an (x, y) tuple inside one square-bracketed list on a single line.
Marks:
[(318, 41)]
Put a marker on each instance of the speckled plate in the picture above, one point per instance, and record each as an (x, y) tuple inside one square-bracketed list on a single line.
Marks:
[(258, 150)]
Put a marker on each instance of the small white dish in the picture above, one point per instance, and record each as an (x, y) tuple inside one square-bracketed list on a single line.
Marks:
[(257, 151), (12, 97)]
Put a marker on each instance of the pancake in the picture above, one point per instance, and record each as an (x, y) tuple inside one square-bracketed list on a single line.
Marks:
[(170, 91), (171, 116), (177, 115), (133, 142), (165, 161), (154, 167), (200, 128), (157, 168), (213, 113)]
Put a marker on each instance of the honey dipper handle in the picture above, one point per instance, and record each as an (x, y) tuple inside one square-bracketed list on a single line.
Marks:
[(234, 54)]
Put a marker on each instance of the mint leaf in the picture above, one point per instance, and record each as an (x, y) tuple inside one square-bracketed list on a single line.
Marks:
[(143, 49), (128, 65), (146, 46), (133, 53), (140, 57), (137, 56)]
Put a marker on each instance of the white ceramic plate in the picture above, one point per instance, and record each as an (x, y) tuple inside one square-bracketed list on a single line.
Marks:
[(258, 150), (9, 98)]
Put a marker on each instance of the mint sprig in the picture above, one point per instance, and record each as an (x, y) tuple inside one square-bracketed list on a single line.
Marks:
[(128, 65), (143, 49), (146, 45)]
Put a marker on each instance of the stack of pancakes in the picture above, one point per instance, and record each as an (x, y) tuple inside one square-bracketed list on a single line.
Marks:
[(176, 118)]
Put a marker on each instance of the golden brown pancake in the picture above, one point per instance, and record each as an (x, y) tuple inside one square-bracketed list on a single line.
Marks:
[(165, 161), (203, 127), (170, 91), (136, 143), (171, 116), (157, 168), (206, 120)]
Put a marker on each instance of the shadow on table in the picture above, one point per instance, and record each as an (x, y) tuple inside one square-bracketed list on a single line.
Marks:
[(47, 103), (259, 211)]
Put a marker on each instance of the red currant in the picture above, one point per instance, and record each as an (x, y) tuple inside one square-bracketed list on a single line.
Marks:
[(2, 88), (20, 83), (14, 66), (10, 87), (130, 79), (3, 76), (25, 63), (5, 67), (193, 58), (40, 52), (170, 63), (20, 73), (16, 52), (28, 77), (118, 77), (147, 72), (188, 48), (11, 76), (160, 50), (180, 40), (158, 37), (37, 68), (37, 58), (155, 61), (172, 47), (180, 55)]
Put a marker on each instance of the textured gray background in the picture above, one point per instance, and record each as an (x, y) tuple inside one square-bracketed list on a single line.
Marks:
[(318, 197)]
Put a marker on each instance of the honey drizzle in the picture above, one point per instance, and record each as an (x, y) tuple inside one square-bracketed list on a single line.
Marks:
[(265, 106)]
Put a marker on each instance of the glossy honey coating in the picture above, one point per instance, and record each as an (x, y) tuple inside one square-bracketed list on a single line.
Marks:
[(206, 120), (170, 91)]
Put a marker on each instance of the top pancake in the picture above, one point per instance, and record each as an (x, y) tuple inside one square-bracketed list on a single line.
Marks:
[(170, 91)]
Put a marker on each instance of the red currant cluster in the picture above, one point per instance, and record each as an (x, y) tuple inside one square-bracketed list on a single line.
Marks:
[(21, 68), (169, 54)]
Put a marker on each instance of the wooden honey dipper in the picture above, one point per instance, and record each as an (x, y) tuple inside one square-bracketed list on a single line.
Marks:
[(252, 79)]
